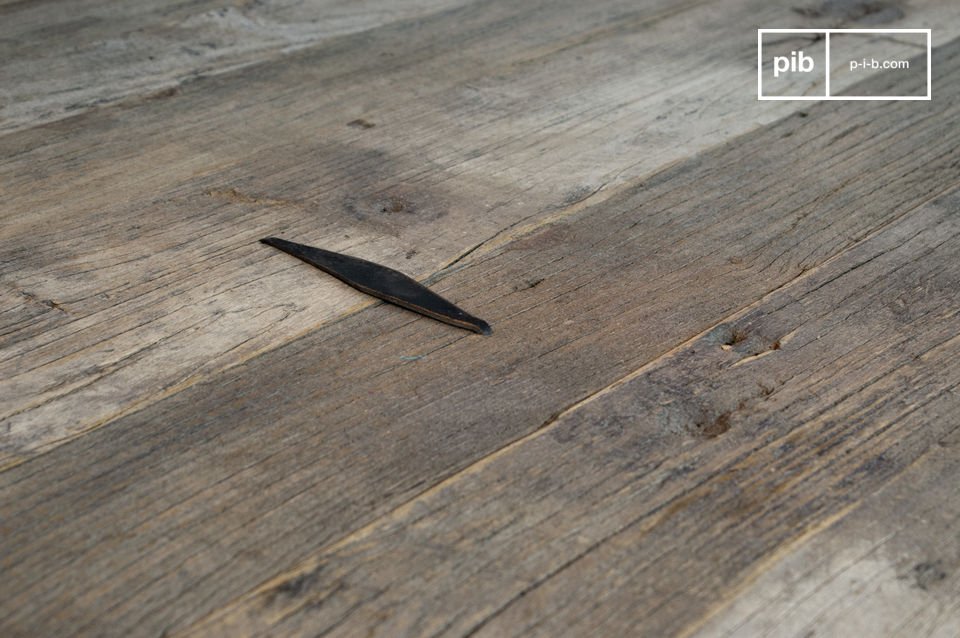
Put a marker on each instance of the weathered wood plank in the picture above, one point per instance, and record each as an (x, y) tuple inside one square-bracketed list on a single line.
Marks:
[(130, 264), (634, 512), (174, 510), (890, 568), (59, 63)]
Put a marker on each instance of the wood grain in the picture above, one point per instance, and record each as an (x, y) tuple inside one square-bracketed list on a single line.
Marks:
[(890, 568), (171, 512), (59, 63), (635, 511), (131, 269)]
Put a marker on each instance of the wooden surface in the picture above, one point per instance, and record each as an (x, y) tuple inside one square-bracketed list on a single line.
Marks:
[(721, 397)]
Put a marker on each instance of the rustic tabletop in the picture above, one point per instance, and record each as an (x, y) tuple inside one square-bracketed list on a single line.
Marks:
[(721, 396)]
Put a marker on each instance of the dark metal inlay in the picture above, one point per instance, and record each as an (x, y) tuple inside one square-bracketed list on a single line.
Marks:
[(383, 283)]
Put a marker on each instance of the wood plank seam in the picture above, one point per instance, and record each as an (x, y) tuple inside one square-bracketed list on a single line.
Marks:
[(754, 574), (270, 56), (478, 251), (132, 408), (162, 89), (488, 245), (855, 266), (775, 557), (805, 534), (407, 506)]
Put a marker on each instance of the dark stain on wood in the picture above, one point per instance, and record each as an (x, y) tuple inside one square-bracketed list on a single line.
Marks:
[(297, 585), (854, 11), (713, 428), (928, 574)]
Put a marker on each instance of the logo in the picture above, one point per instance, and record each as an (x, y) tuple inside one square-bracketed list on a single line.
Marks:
[(823, 64)]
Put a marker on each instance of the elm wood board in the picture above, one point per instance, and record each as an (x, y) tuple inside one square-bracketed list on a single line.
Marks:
[(58, 63), (131, 268), (634, 513), (171, 514), (889, 568)]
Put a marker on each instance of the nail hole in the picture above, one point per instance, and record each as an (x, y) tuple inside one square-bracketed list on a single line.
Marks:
[(735, 336), (716, 427)]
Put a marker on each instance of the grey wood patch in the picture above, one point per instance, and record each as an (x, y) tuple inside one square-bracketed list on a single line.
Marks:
[(890, 568), (635, 512), (168, 514), (131, 268), (60, 62)]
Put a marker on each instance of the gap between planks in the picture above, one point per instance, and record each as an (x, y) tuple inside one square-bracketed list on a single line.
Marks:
[(199, 28), (842, 209), (497, 240), (717, 619), (404, 509), (311, 565), (172, 383)]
